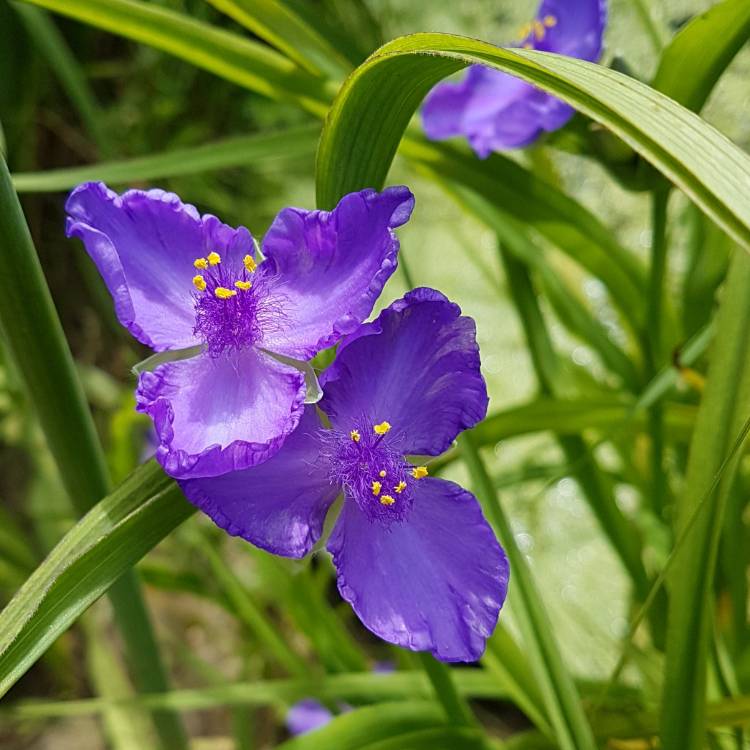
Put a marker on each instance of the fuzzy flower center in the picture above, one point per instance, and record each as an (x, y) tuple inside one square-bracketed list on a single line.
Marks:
[(535, 31), (372, 471), (226, 303)]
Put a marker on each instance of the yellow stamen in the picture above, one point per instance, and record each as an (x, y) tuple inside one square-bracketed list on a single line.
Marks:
[(525, 30), (528, 45), (200, 263), (244, 285), (355, 436), (539, 30), (382, 428), (400, 487), (199, 282), (223, 293), (250, 264), (387, 500), (549, 21), (418, 472), (376, 487), (214, 259), (382, 473)]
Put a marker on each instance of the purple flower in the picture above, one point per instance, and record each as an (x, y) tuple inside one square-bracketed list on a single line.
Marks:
[(181, 280), (496, 111), (414, 555), (306, 715)]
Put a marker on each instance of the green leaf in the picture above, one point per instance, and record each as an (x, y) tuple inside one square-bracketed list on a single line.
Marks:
[(561, 699), (538, 204), (723, 410), (247, 63), (250, 150), (369, 725), (279, 25), (28, 316), (694, 60), (357, 687), (373, 108), (105, 543)]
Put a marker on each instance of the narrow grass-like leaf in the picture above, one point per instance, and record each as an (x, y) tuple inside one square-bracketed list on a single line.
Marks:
[(541, 206), (250, 150), (375, 104), (34, 338), (359, 687), (561, 699), (278, 24), (228, 55), (694, 60), (108, 541), (724, 407)]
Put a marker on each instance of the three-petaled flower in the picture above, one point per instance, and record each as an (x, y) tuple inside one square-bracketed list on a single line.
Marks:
[(414, 555), (496, 111), (182, 281)]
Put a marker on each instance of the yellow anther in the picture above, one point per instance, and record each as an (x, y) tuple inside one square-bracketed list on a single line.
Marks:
[(376, 487), (400, 487), (244, 285), (528, 45), (418, 472), (525, 30), (549, 21), (539, 30), (214, 259), (355, 436), (200, 263), (387, 500), (250, 264), (382, 428), (382, 473), (199, 282), (223, 293)]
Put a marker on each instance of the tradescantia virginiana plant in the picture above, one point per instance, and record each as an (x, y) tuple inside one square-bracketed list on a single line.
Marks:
[(625, 425)]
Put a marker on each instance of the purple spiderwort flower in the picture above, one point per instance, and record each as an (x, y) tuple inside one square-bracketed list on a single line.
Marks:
[(496, 111), (414, 555), (308, 714), (182, 281)]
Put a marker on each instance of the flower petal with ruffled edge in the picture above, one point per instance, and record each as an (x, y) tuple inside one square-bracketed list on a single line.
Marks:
[(417, 367), (218, 414), (434, 582), (144, 244), (279, 505), (496, 111), (331, 267)]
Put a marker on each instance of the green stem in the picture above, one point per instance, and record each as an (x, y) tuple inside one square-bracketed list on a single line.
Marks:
[(456, 708), (35, 340), (408, 278), (564, 708), (655, 345)]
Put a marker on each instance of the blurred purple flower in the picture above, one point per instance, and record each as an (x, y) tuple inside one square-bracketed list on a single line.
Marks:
[(415, 557), (496, 111), (309, 714), (181, 280), (306, 715)]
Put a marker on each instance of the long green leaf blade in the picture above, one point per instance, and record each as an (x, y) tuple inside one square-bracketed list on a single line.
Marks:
[(724, 409), (228, 55), (108, 541), (373, 108), (251, 150), (694, 60)]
